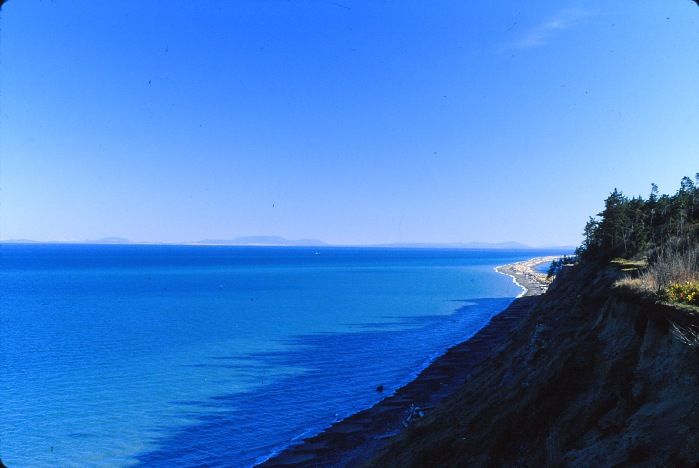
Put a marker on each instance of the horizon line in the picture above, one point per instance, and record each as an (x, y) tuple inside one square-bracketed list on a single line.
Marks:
[(294, 243)]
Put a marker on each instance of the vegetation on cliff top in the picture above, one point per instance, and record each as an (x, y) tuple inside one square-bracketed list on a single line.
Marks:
[(662, 232), (593, 370)]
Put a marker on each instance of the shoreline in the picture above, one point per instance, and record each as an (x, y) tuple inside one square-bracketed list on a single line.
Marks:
[(357, 438), (526, 277)]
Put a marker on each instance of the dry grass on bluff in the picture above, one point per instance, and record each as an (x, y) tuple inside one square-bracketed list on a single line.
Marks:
[(673, 276)]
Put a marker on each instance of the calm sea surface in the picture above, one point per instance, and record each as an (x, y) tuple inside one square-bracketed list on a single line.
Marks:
[(213, 355)]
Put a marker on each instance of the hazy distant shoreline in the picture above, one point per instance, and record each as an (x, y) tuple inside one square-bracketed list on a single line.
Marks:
[(275, 241)]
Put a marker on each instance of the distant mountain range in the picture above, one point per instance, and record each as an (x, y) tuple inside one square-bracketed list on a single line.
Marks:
[(281, 241), (275, 240), (264, 240), (461, 245)]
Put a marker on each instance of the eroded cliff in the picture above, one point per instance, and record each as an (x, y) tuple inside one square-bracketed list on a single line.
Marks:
[(592, 377)]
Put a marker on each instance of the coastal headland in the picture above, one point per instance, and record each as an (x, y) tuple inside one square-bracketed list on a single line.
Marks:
[(355, 440), (593, 375)]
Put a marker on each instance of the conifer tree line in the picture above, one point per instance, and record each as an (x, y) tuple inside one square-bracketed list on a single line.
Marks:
[(634, 227)]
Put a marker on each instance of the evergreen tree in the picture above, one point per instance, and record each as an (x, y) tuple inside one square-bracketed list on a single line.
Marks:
[(631, 227)]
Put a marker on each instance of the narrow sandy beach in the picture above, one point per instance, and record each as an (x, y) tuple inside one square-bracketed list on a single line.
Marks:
[(357, 438), (524, 274)]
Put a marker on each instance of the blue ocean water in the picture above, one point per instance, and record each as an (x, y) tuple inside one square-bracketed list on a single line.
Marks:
[(160, 355), (543, 267)]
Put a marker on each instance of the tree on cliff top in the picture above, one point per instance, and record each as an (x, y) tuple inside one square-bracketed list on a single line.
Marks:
[(632, 227)]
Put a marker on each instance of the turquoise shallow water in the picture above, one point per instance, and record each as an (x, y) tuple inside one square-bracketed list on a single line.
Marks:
[(219, 356)]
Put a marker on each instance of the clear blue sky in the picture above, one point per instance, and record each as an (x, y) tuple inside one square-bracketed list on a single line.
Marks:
[(348, 121)]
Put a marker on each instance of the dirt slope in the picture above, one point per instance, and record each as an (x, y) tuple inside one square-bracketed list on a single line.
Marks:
[(591, 378)]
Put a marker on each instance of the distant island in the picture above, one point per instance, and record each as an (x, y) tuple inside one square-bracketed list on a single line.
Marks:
[(264, 240), (281, 241), (512, 245)]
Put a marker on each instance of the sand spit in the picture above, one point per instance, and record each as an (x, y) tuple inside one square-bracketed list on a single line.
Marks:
[(524, 274)]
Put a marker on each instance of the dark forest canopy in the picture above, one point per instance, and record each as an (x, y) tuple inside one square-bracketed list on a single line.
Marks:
[(630, 227)]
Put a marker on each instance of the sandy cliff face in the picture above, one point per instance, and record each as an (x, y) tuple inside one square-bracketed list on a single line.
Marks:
[(591, 378)]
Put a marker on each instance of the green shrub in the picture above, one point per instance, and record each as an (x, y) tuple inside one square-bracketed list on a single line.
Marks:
[(685, 293)]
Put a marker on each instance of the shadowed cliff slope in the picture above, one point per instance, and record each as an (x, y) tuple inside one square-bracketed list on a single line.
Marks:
[(591, 378)]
